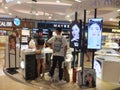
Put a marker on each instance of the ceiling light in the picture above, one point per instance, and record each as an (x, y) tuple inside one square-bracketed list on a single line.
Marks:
[(68, 16), (70, 20), (18, 2), (118, 10), (6, 7), (9, 1), (49, 17), (57, 1), (10, 13), (111, 19), (36, 14), (78, 0)]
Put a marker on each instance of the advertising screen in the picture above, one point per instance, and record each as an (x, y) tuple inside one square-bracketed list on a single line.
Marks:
[(94, 33), (75, 34)]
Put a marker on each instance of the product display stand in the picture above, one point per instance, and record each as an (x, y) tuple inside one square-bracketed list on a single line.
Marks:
[(12, 63), (86, 76)]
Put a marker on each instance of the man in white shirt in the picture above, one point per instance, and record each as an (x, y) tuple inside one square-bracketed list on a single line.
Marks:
[(59, 46)]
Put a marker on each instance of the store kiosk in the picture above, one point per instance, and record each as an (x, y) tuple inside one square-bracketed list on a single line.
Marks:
[(29, 61), (107, 65)]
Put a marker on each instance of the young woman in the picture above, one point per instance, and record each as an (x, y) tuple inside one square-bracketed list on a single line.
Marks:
[(40, 56)]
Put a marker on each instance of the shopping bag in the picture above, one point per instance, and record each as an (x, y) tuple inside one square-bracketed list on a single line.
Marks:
[(66, 74), (74, 75)]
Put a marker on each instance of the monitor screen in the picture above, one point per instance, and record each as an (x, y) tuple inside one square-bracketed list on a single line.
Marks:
[(94, 33), (45, 31), (34, 30), (75, 34)]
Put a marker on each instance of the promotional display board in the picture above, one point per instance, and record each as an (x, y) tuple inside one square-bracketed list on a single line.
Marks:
[(89, 78), (94, 33), (75, 34), (25, 38)]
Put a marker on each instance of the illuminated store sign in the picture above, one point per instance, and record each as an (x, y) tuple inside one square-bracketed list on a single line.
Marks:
[(61, 25), (17, 21), (5, 24), (54, 24)]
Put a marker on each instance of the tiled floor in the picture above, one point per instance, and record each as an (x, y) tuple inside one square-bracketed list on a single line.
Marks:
[(9, 82)]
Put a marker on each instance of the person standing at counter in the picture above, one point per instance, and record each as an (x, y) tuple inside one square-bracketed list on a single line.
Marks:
[(59, 46), (40, 56)]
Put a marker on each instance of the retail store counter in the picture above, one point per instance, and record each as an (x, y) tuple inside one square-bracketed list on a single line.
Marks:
[(107, 65), (28, 62)]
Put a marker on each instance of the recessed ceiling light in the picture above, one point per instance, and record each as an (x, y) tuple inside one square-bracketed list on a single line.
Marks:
[(57, 1), (111, 19), (6, 7), (10, 13), (70, 20), (78, 0), (18, 2), (118, 10), (68, 16), (36, 14), (49, 17), (9, 1)]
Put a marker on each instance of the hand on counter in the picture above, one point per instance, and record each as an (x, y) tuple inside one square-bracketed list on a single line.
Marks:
[(37, 51)]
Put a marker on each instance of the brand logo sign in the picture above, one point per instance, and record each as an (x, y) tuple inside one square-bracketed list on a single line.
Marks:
[(17, 21), (5, 24)]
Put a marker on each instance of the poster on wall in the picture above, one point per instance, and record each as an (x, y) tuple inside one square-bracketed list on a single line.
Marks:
[(75, 34), (94, 33)]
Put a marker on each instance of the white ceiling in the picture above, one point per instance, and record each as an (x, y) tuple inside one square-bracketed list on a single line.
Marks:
[(43, 9)]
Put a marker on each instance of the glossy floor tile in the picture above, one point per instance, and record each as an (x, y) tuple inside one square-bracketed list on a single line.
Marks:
[(17, 82)]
